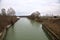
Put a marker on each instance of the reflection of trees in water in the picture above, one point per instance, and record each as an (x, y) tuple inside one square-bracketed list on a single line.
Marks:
[(11, 31), (31, 21), (34, 23)]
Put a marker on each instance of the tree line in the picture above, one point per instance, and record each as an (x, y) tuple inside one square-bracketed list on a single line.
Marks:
[(9, 12)]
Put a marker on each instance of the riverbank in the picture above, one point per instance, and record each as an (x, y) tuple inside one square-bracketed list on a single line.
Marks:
[(51, 25), (5, 23), (3, 34)]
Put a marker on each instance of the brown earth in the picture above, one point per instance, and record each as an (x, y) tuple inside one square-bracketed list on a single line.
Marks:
[(6, 20)]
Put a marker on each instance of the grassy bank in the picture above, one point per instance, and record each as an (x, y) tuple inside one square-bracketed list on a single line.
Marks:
[(5, 21), (54, 26)]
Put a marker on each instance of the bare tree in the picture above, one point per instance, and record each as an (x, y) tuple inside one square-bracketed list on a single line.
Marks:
[(11, 12), (35, 14), (3, 12)]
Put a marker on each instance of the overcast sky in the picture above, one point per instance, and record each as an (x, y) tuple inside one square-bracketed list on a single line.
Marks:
[(29, 6)]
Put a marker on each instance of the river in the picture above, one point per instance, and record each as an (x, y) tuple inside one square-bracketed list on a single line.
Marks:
[(25, 29)]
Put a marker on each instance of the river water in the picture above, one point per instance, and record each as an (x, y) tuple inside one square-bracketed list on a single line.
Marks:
[(25, 29)]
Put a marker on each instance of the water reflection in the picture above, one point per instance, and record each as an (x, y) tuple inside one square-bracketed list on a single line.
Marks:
[(25, 30), (34, 23), (13, 30), (10, 31)]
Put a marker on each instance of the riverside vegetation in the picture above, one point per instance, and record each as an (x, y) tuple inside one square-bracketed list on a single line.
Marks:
[(50, 23), (6, 19)]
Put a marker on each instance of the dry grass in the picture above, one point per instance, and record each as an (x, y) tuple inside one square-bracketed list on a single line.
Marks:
[(54, 25), (6, 20)]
